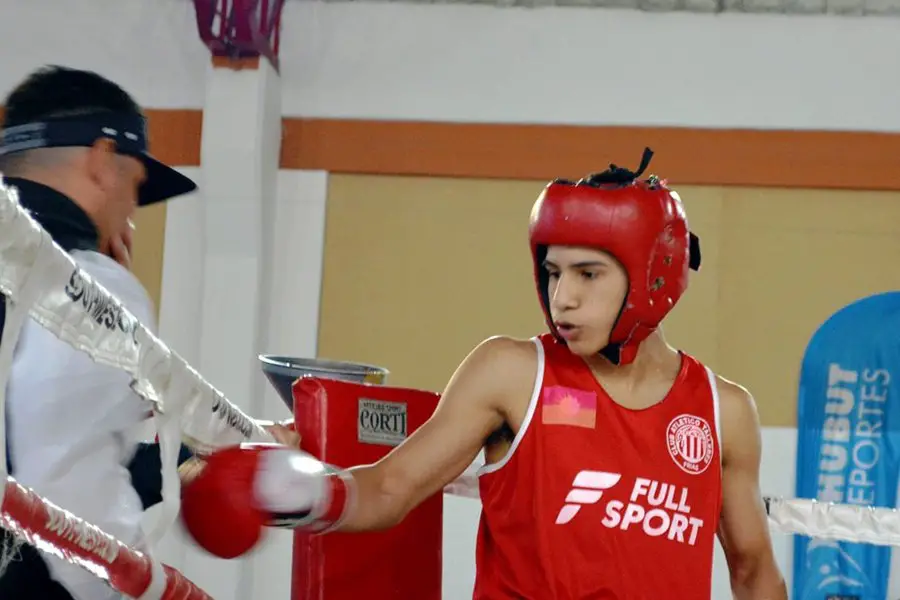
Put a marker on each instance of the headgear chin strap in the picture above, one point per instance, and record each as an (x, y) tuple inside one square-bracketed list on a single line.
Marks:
[(639, 222), (129, 132)]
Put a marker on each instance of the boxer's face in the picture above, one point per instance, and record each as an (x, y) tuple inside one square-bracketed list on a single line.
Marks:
[(586, 290)]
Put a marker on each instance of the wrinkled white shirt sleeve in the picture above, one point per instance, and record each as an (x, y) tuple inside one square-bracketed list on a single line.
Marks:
[(68, 426)]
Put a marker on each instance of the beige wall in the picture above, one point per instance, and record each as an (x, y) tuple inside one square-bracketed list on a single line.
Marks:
[(419, 270), (149, 240)]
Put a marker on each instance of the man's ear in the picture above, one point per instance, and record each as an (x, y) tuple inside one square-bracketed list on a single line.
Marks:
[(101, 163)]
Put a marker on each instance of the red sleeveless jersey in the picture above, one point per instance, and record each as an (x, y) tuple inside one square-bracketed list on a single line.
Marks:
[(596, 501)]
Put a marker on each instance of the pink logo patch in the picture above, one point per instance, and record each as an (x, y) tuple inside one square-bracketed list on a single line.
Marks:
[(567, 406)]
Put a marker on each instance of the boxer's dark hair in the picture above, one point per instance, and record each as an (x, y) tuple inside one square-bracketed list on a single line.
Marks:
[(54, 91), (616, 176)]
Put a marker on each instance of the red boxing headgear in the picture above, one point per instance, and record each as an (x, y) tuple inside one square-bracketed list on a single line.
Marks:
[(639, 222)]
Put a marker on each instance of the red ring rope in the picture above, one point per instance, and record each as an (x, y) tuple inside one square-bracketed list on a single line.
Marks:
[(55, 531)]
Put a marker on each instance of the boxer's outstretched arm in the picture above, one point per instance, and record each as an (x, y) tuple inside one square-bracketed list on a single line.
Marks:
[(744, 526), (472, 406)]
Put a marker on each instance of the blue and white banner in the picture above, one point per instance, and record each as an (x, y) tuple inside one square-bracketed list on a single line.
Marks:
[(848, 429)]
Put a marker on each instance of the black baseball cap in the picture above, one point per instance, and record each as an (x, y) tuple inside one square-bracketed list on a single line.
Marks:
[(127, 129)]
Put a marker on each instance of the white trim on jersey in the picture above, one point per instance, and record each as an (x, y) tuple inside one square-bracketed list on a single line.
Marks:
[(714, 387), (532, 406)]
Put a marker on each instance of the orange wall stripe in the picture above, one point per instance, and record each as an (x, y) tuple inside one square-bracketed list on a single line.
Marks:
[(808, 159), (805, 159), (174, 135)]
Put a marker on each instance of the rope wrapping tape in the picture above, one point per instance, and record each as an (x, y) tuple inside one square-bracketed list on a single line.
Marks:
[(845, 522), (55, 531), (82, 313)]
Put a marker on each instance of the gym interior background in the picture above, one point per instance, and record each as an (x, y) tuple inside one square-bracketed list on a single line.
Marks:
[(395, 232)]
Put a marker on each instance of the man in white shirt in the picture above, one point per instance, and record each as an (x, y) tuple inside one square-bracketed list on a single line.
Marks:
[(74, 145)]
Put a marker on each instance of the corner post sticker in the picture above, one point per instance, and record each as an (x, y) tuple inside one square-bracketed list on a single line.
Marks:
[(381, 422)]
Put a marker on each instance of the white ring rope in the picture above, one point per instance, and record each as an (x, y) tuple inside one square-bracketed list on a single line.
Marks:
[(82, 313), (827, 520)]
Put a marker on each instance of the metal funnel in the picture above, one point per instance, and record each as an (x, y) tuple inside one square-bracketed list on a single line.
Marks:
[(283, 371)]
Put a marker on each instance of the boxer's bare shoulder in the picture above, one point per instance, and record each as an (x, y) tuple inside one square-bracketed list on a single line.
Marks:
[(743, 527), (483, 394), (516, 362), (741, 437), (512, 363), (738, 414)]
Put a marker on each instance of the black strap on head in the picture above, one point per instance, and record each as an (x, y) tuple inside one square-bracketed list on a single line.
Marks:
[(694, 252), (127, 130), (616, 175)]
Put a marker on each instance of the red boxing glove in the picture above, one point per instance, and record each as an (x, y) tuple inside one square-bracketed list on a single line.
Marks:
[(241, 490)]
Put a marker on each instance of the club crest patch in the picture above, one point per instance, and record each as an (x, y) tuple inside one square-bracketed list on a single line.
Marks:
[(690, 442)]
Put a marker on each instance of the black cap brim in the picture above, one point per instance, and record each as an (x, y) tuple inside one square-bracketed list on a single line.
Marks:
[(163, 182)]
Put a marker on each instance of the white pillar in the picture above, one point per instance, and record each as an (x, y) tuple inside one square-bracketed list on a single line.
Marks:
[(242, 275), (292, 321), (239, 163), (179, 316)]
